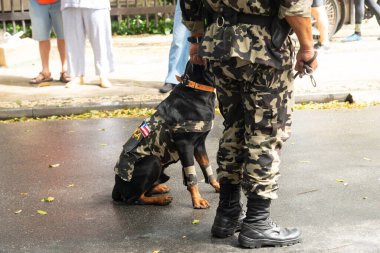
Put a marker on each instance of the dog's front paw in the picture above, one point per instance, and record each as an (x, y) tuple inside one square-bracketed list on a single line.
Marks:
[(164, 200), (200, 203)]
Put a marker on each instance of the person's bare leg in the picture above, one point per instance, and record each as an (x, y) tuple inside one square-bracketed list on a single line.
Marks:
[(62, 53), (44, 54), (322, 23)]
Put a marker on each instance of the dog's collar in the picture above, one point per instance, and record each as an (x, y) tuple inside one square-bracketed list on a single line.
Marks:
[(194, 85)]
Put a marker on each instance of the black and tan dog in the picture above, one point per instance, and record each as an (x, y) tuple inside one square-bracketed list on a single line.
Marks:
[(176, 131)]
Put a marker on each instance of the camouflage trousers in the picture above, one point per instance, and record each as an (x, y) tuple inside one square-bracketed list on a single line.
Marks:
[(256, 102)]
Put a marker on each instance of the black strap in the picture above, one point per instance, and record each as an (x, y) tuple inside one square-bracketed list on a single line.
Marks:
[(242, 18), (254, 19)]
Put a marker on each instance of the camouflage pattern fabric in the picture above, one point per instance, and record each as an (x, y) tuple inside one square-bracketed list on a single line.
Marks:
[(256, 103), (159, 143), (247, 42), (192, 126)]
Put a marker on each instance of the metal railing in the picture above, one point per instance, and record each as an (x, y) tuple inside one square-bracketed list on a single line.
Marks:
[(16, 11)]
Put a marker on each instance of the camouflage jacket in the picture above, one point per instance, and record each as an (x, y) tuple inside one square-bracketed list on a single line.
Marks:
[(248, 42)]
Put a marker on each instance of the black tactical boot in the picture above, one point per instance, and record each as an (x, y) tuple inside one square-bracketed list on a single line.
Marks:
[(258, 229), (229, 215)]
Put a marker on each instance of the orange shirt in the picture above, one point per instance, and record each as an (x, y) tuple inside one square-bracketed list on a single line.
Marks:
[(47, 1)]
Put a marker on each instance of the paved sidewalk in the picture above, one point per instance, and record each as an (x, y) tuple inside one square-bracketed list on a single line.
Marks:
[(141, 66)]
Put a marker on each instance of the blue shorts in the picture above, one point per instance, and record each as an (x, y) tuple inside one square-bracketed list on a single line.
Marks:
[(45, 17), (318, 3)]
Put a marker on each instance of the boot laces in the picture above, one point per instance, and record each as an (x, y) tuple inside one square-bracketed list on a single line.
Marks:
[(271, 223)]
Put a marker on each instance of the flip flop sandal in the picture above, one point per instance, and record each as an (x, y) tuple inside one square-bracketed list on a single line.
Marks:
[(41, 79), (64, 78)]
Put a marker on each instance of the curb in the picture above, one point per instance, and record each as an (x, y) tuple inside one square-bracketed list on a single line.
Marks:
[(32, 112)]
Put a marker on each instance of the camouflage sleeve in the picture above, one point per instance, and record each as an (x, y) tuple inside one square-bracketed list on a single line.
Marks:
[(301, 8), (192, 15)]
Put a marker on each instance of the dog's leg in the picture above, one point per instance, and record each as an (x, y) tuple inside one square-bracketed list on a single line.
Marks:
[(185, 147), (201, 157)]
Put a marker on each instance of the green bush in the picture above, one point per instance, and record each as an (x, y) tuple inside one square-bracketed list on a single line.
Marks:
[(131, 26), (10, 29), (139, 25)]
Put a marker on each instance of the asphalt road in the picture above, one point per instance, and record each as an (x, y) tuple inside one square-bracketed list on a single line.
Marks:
[(329, 188)]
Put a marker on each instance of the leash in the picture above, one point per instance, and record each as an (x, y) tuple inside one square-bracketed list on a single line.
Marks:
[(194, 85), (307, 70)]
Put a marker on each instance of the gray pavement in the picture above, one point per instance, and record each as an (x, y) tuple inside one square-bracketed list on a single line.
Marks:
[(141, 66), (329, 188)]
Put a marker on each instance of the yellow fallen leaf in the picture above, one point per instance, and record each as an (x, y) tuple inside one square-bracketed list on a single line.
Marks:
[(103, 144), (48, 199), (195, 222), (41, 212), (24, 194), (18, 211), (43, 84), (339, 180), (366, 158), (156, 251), (54, 165), (70, 185)]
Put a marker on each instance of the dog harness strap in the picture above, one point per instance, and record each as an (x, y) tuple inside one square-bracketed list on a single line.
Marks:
[(190, 170), (199, 86), (196, 86), (190, 176), (209, 171)]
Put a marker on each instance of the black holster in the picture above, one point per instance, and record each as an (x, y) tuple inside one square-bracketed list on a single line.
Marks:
[(279, 30)]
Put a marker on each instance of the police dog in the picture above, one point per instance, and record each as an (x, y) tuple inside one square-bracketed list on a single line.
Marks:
[(176, 131)]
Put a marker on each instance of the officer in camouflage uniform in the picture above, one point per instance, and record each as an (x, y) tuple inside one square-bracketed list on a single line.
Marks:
[(239, 42)]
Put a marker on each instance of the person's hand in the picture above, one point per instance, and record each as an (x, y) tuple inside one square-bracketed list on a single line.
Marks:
[(306, 56), (194, 56)]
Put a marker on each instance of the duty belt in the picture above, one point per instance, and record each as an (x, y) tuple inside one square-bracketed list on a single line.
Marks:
[(233, 17)]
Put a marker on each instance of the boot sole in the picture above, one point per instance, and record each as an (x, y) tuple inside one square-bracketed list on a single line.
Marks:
[(255, 243)]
